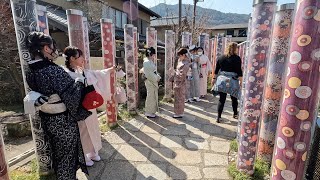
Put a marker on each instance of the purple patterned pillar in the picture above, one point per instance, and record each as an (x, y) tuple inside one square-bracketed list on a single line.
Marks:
[(42, 19), (186, 39), (130, 63), (136, 65), (25, 20), (262, 22), (203, 41), (86, 41), (274, 83), (152, 41), (4, 173), (76, 32), (169, 60), (219, 51), (301, 94), (210, 52)]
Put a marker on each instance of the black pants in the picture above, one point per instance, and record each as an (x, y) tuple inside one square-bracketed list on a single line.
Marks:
[(222, 100)]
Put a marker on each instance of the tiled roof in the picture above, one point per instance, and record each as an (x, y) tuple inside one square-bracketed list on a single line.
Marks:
[(229, 26)]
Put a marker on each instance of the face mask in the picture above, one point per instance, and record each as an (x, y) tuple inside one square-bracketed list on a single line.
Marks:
[(200, 53), (54, 54)]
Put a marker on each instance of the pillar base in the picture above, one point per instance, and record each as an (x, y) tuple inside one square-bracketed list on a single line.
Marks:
[(132, 112), (167, 99), (112, 124)]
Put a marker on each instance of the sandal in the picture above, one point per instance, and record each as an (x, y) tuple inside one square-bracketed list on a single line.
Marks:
[(235, 116)]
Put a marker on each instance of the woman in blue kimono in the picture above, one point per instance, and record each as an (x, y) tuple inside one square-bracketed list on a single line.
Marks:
[(62, 108)]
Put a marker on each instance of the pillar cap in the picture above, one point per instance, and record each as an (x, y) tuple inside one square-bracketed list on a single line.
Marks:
[(85, 19), (263, 1), (74, 12), (129, 25), (151, 28), (288, 6), (41, 8), (105, 20), (169, 31)]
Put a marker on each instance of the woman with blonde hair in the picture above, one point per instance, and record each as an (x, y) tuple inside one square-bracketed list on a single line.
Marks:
[(228, 78)]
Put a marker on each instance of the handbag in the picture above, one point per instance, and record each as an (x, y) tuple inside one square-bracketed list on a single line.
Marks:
[(120, 95), (92, 99)]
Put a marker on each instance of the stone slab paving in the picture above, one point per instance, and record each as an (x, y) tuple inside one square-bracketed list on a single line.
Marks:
[(194, 147)]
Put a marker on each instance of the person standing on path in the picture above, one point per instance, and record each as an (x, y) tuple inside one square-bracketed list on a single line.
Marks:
[(228, 78), (152, 79), (205, 68), (179, 84), (195, 82)]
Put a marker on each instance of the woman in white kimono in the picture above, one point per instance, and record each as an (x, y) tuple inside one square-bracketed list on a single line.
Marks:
[(205, 68), (89, 129), (151, 81)]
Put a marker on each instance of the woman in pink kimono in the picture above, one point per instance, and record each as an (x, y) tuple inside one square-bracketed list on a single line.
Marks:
[(89, 129), (205, 68), (179, 84)]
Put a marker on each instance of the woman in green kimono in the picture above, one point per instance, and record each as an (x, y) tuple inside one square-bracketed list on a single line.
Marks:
[(151, 81), (179, 84)]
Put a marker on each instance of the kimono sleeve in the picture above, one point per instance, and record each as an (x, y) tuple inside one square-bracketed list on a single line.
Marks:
[(150, 72), (103, 82), (69, 91)]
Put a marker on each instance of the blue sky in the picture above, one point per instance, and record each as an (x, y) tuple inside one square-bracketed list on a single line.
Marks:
[(232, 6)]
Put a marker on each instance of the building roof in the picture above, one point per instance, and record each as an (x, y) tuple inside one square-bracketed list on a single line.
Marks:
[(165, 21), (229, 26), (148, 11)]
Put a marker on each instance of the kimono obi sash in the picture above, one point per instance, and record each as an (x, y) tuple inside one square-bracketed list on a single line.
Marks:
[(228, 82), (54, 105), (203, 65)]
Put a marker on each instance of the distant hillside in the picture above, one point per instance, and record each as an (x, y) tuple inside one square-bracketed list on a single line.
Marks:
[(214, 17)]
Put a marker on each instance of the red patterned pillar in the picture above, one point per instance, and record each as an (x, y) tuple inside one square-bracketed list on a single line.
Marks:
[(262, 23), (136, 51), (131, 78), (86, 41), (301, 94), (42, 19), (76, 32), (4, 174), (275, 80), (169, 60), (152, 41), (108, 52)]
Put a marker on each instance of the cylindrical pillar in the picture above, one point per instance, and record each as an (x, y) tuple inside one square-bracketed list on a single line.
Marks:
[(301, 94), (186, 39), (169, 60), (42, 19), (130, 68), (25, 20), (108, 52), (206, 46), (274, 83), (152, 41), (4, 173), (262, 23), (76, 32), (86, 42), (210, 51), (136, 65), (219, 50)]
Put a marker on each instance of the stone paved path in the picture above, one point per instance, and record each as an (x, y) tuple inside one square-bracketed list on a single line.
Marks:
[(194, 147)]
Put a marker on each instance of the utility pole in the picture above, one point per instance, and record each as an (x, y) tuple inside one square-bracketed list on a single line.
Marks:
[(194, 15), (180, 12)]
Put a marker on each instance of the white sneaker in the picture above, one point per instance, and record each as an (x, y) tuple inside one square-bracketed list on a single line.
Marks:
[(89, 163), (150, 115), (197, 99), (96, 158), (190, 100)]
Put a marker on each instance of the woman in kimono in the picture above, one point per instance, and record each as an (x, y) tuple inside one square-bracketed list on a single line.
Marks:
[(195, 83), (63, 108), (151, 81), (228, 78), (89, 128), (179, 84), (205, 68)]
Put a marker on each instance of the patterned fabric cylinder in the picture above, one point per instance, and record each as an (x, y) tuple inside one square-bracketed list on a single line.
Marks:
[(42, 19), (210, 52), (131, 78), (4, 173), (152, 40), (186, 39), (108, 51), (86, 41), (274, 82), (169, 60), (214, 55), (136, 65), (76, 32), (25, 20), (223, 44), (262, 23), (301, 94), (204, 43), (219, 51)]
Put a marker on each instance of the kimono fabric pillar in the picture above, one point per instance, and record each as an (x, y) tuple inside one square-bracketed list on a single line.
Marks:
[(108, 49), (244, 78), (169, 58), (136, 49), (4, 173), (186, 39), (42, 19), (262, 22), (76, 32), (211, 47), (130, 68), (25, 20), (206, 46), (152, 40), (274, 82), (301, 94), (86, 41)]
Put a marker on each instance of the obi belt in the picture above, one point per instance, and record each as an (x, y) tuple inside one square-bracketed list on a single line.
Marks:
[(228, 82)]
